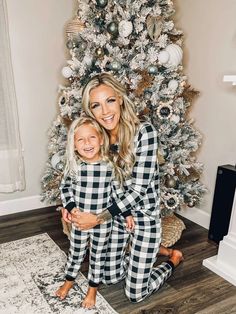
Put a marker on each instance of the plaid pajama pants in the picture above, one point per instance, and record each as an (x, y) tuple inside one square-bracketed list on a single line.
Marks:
[(98, 238), (141, 278)]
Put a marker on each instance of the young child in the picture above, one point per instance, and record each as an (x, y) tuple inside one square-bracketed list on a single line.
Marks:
[(87, 185)]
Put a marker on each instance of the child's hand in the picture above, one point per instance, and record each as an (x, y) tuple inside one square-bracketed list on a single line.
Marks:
[(66, 215), (130, 225)]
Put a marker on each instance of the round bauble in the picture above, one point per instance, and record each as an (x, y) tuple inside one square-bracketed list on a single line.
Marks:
[(101, 3), (112, 28), (175, 53), (147, 94), (115, 65), (125, 28), (70, 44), (164, 111), (152, 69), (191, 204), (173, 85), (99, 52), (175, 118), (171, 201), (66, 72), (170, 182), (163, 57)]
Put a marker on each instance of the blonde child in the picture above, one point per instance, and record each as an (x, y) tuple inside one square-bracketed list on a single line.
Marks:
[(87, 186)]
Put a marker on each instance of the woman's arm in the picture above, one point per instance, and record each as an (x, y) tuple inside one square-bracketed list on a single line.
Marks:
[(144, 169)]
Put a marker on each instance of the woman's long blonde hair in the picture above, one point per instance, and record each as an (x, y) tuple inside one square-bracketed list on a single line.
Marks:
[(124, 159), (72, 157)]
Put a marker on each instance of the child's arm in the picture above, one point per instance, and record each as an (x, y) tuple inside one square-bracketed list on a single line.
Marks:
[(130, 224)]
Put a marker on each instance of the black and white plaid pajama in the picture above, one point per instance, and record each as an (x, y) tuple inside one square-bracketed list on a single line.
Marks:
[(90, 191), (141, 194)]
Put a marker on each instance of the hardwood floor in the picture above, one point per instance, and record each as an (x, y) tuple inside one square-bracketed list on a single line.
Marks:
[(192, 288)]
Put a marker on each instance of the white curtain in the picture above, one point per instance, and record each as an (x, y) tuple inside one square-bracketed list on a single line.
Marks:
[(11, 159)]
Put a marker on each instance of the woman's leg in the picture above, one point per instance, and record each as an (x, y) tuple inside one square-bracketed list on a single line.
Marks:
[(116, 262), (142, 279)]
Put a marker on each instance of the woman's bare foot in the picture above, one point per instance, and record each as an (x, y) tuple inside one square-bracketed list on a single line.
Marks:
[(176, 257), (64, 289), (90, 299), (165, 251)]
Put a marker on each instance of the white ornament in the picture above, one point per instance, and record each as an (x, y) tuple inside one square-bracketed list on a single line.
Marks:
[(173, 85), (175, 118), (67, 72), (125, 28), (56, 160), (175, 53), (163, 57)]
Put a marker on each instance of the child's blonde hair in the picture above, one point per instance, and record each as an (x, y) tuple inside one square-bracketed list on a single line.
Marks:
[(72, 157)]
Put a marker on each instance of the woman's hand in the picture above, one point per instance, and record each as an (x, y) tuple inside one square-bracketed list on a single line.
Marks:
[(66, 215), (83, 221)]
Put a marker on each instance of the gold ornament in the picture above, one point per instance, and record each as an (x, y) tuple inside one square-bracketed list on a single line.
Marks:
[(74, 27), (154, 26)]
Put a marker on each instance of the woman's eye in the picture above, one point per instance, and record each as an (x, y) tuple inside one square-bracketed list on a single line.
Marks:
[(111, 100), (94, 106)]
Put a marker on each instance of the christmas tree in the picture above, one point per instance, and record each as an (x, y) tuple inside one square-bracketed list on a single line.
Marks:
[(137, 41)]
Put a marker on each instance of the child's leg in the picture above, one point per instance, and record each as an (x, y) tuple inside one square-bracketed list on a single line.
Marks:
[(99, 237), (78, 246)]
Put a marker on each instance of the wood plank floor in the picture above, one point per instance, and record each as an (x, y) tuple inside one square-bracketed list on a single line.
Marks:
[(192, 289)]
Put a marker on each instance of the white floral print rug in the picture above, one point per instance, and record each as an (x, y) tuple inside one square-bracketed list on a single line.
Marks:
[(31, 270)]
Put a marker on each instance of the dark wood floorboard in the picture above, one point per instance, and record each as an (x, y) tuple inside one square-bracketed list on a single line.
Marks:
[(192, 288)]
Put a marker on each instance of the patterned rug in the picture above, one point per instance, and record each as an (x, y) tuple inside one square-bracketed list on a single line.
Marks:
[(31, 270)]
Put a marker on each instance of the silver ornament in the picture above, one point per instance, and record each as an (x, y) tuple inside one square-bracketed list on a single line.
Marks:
[(170, 182), (102, 3), (112, 28), (125, 28), (152, 69), (115, 65)]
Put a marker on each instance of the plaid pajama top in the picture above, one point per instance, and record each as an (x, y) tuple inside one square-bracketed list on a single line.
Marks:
[(141, 192), (90, 189)]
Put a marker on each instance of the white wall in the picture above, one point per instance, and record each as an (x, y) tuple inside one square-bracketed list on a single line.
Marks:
[(210, 44), (38, 54)]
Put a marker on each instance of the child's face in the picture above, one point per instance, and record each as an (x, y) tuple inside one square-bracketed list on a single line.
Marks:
[(88, 142)]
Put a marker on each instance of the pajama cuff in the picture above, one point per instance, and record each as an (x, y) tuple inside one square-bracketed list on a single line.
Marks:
[(70, 206), (93, 284), (69, 278), (171, 265), (114, 210)]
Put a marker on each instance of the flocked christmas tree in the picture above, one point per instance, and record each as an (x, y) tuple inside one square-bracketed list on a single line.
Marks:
[(135, 40)]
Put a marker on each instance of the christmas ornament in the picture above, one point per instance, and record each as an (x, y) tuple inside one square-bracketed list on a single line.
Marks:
[(163, 57), (74, 27), (175, 118), (99, 52), (115, 65), (112, 28), (170, 182), (171, 201), (57, 161), (154, 26), (125, 28), (191, 204), (147, 94), (67, 72), (70, 44), (175, 53), (173, 85), (152, 69), (101, 3), (164, 111)]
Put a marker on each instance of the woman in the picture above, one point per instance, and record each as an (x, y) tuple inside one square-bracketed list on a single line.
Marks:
[(134, 150)]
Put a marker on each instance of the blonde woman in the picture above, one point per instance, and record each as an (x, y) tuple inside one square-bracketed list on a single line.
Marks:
[(134, 151), (87, 185)]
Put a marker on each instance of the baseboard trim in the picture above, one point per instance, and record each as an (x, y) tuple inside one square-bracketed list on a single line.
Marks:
[(196, 215), (22, 205)]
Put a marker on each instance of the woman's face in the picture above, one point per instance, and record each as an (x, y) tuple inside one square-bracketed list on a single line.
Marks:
[(105, 104)]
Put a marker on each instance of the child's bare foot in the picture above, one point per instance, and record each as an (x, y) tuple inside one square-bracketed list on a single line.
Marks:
[(64, 289), (90, 299), (165, 251), (176, 257)]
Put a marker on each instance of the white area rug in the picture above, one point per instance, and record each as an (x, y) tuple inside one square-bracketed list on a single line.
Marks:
[(31, 270)]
